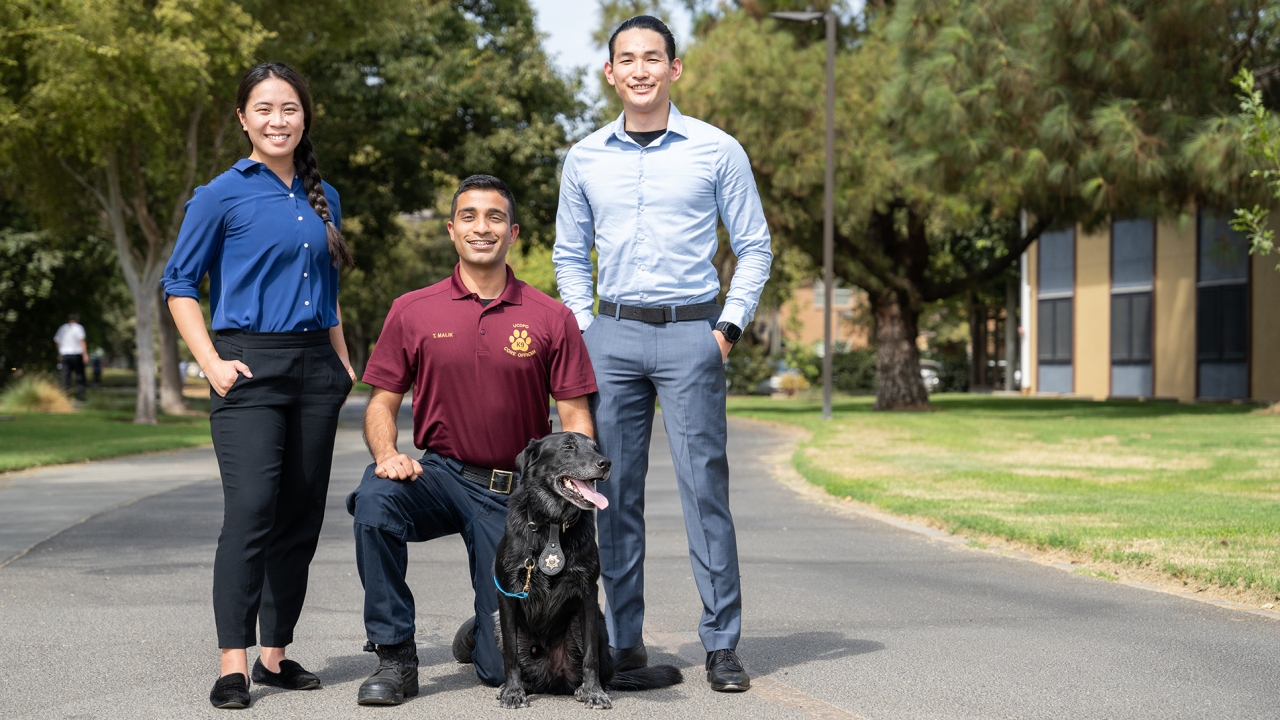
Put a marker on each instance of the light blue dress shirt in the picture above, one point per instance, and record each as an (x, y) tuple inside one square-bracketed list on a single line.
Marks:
[(651, 214)]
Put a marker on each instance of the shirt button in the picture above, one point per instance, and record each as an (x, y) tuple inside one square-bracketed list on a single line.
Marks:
[(644, 296), (304, 274), (481, 331), (641, 267), (306, 245), (299, 217), (290, 194), (306, 302)]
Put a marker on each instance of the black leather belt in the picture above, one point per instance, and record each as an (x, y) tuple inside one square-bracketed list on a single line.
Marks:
[(659, 315), (499, 481)]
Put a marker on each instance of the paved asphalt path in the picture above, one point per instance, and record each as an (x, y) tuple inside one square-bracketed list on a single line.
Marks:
[(844, 617)]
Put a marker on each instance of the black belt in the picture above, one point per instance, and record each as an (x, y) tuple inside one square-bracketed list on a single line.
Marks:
[(501, 482), (659, 315)]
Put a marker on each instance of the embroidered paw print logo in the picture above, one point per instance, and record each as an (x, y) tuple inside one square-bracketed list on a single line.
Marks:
[(519, 340)]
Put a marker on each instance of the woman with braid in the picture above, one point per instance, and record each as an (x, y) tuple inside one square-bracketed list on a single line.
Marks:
[(267, 234)]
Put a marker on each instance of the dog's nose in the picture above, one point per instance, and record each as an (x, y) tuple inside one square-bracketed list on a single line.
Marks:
[(603, 464)]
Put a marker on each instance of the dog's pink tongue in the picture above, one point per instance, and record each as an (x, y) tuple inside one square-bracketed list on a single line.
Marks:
[(588, 492)]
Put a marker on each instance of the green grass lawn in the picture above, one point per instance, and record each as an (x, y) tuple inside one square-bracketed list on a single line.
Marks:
[(1190, 491), (103, 429)]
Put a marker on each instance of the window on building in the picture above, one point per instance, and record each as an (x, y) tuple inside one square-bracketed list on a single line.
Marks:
[(1055, 307), (1132, 272), (1222, 310), (841, 297)]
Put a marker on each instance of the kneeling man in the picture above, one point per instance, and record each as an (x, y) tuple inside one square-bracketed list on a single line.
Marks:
[(482, 352)]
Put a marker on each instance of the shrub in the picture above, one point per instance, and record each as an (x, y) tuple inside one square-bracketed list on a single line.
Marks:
[(749, 366), (793, 382), (854, 372), (33, 393)]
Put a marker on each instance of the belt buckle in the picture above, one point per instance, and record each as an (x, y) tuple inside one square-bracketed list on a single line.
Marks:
[(497, 475)]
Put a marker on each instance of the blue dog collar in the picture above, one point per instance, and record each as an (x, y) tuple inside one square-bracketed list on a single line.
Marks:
[(518, 596)]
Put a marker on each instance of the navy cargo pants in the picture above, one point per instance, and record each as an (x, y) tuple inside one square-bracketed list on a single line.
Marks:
[(389, 514)]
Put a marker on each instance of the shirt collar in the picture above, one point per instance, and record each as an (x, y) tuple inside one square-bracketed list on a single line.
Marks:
[(675, 126), (243, 164), (511, 295)]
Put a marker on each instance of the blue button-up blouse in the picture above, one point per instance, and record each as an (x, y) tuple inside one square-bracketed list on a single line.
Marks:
[(265, 251)]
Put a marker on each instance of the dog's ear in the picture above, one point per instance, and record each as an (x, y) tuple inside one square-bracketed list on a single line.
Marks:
[(528, 455)]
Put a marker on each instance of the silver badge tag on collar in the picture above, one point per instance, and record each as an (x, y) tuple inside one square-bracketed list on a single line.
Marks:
[(551, 561)]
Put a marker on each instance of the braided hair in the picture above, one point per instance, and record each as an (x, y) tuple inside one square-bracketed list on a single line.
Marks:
[(304, 155)]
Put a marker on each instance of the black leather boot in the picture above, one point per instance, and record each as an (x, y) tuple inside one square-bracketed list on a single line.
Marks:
[(396, 677), (464, 641)]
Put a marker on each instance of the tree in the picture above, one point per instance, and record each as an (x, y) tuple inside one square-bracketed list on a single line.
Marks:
[(411, 97), (1262, 138), (885, 243), (121, 109), (953, 117)]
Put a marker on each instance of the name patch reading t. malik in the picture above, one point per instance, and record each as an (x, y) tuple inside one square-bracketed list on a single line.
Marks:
[(441, 335), (521, 345)]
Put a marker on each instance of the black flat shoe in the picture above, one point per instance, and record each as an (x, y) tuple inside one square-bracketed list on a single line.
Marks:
[(231, 692), (292, 676), (725, 673)]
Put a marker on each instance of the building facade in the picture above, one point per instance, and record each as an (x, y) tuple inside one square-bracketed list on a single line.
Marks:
[(1170, 308)]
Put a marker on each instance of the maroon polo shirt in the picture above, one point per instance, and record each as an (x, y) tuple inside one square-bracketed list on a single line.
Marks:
[(481, 376)]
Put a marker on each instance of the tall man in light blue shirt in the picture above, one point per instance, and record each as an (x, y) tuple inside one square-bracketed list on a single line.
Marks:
[(647, 192)]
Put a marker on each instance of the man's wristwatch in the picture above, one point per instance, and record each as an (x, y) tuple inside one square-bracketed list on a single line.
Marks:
[(731, 332)]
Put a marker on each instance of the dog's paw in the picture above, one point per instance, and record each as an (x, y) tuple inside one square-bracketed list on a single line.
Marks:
[(513, 698), (595, 698)]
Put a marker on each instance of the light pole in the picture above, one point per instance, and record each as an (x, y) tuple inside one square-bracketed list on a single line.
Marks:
[(829, 197)]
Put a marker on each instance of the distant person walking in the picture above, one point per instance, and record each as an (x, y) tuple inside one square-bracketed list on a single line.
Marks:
[(267, 234), (73, 353), (647, 192)]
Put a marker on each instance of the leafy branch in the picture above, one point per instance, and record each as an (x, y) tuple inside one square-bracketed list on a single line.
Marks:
[(1261, 139)]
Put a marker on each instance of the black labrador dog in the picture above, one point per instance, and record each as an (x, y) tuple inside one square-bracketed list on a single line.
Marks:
[(553, 638)]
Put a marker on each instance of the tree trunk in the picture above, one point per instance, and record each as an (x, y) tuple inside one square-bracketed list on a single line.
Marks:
[(1011, 334), (144, 314), (897, 355), (977, 343), (171, 380)]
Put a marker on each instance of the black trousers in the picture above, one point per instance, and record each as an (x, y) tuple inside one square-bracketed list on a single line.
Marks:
[(273, 435), (73, 365)]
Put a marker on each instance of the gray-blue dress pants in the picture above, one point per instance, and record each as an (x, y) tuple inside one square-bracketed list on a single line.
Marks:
[(680, 365)]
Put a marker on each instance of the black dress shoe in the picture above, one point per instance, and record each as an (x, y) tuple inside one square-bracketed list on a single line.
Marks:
[(292, 676), (464, 641), (629, 658), (725, 673), (396, 677), (231, 692)]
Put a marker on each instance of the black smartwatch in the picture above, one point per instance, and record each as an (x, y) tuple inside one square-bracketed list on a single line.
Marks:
[(731, 332)]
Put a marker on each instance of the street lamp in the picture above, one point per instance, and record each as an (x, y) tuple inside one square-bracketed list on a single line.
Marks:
[(829, 198)]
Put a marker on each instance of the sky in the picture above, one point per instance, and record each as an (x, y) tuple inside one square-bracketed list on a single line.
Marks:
[(569, 24)]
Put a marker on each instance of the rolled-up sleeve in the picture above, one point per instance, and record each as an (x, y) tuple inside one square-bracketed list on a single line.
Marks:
[(199, 242), (575, 235), (743, 216)]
